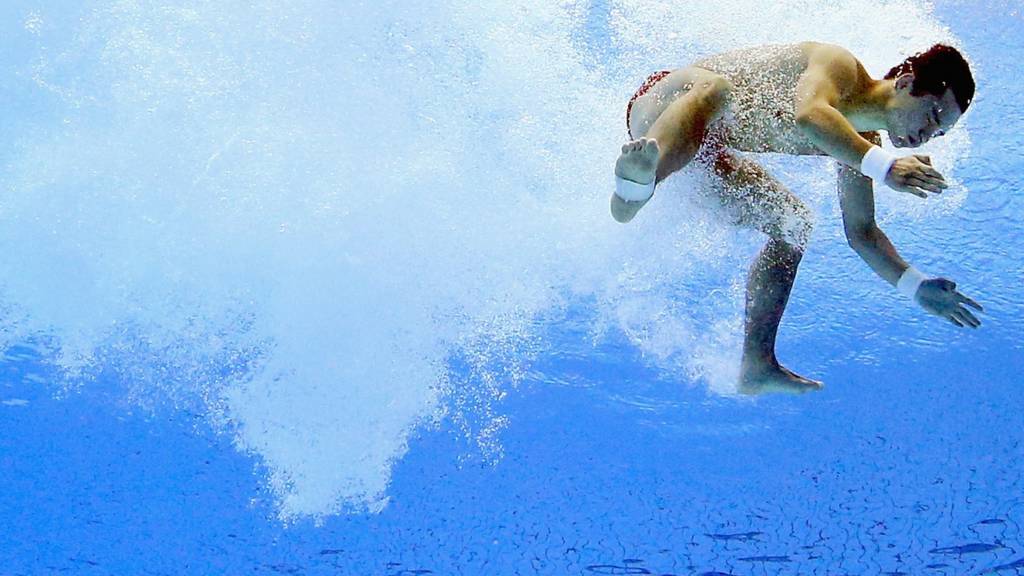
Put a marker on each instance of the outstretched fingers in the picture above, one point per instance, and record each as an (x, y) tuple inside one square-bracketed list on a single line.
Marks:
[(927, 182), (933, 173), (915, 190), (967, 300), (963, 318), (928, 168), (968, 317)]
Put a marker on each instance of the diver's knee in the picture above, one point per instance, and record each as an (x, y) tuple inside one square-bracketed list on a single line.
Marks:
[(796, 228), (717, 94), (798, 232), (718, 89)]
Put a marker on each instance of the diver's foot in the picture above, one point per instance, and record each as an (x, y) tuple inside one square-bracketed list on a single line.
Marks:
[(639, 161), (759, 378)]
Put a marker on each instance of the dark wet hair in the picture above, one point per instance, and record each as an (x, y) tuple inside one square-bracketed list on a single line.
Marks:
[(934, 70)]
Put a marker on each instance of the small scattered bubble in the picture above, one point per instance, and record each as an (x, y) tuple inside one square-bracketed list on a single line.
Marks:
[(33, 23)]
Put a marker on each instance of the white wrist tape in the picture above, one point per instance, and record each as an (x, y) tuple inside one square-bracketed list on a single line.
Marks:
[(632, 191), (910, 281), (876, 163)]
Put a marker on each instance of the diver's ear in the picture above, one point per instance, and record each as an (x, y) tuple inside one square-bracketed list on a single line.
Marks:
[(905, 81)]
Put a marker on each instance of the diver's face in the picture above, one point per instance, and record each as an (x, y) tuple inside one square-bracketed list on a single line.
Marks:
[(914, 120)]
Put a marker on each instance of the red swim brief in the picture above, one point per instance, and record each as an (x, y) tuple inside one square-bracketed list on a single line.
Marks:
[(651, 80)]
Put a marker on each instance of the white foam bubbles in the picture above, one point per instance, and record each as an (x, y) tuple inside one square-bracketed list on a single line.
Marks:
[(293, 215)]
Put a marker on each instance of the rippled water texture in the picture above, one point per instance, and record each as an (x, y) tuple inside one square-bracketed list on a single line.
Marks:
[(364, 250)]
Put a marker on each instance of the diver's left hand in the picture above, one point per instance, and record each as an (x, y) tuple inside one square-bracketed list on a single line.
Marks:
[(940, 297)]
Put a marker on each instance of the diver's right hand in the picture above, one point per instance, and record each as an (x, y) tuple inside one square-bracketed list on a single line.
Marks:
[(940, 297), (914, 174)]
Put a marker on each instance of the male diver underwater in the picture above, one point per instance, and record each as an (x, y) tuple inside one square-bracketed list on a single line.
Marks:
[(809, 98)]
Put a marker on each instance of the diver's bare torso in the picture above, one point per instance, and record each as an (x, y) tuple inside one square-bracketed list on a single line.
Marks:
[(761, 114)]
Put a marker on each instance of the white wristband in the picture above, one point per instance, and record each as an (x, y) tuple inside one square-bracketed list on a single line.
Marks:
[(876, 164), (910, 281), (633, 191)]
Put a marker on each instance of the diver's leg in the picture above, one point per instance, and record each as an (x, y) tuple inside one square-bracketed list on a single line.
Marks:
[(669, 141), (761, 202), (769, 283)]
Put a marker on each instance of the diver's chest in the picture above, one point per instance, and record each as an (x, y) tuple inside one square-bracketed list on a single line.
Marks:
[(766, 123)]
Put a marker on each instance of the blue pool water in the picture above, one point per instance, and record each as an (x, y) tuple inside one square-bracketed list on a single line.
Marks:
[(332, 288)]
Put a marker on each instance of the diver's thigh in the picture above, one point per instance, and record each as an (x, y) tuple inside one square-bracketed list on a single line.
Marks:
[(665, 96), (754, 199), (683, 128)]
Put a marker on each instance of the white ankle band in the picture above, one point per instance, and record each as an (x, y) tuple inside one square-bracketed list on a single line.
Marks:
[(876, 164), (632, 191), (910, 281)]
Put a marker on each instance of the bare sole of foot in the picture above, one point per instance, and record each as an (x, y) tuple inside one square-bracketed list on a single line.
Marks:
[(638, 161), (776, 378)]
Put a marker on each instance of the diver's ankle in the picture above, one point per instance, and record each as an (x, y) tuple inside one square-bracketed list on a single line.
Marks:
[(758, 362)]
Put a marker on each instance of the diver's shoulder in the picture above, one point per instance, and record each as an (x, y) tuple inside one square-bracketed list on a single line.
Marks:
[(826, 51), (838, 62)]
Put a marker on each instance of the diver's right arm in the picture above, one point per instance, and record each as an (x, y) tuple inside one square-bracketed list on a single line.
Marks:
[(857, 202), (830, 74), (833, 134)]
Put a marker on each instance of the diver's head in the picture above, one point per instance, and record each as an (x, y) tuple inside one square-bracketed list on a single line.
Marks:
[(931, 90)]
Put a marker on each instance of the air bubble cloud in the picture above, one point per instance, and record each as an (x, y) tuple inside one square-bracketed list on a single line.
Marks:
[(294, 215)]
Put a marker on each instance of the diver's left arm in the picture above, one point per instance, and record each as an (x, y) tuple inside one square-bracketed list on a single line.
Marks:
[(938, 296), (857, 201)]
